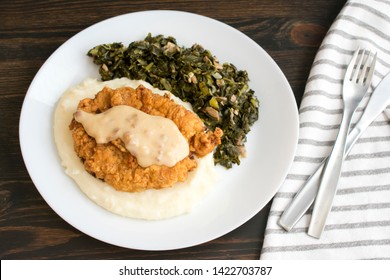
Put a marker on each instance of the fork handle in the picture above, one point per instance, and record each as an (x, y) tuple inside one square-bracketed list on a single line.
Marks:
[(329, 180)]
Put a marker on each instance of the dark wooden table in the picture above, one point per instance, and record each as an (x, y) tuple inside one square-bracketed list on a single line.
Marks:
[(290, 31)]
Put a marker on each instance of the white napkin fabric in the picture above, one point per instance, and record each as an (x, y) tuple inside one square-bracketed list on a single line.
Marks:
[(358, 226)]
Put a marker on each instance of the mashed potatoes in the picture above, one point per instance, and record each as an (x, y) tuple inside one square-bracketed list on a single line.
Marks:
[(150, 204)]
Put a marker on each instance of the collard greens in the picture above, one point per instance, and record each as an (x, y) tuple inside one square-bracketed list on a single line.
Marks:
[(219, 93)]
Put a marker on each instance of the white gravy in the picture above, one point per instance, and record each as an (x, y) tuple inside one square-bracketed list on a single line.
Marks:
[(151, 139)]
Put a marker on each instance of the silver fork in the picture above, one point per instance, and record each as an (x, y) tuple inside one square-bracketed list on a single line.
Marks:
[(356, 82)]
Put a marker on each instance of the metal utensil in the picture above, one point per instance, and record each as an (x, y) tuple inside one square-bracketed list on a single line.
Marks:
[(356, 82), (379, 100)]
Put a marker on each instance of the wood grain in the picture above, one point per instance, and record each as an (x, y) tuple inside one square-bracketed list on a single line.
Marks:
[(30, 31)]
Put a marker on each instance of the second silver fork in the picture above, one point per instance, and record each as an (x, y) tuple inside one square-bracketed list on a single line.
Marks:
[(356, 82)]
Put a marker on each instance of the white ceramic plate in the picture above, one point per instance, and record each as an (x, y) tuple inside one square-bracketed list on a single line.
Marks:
[(242, 192)]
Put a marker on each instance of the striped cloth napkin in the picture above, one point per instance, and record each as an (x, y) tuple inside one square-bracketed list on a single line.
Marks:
[(358, 226)]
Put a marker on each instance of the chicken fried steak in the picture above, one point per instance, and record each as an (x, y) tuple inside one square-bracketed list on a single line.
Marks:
[(112, 162)]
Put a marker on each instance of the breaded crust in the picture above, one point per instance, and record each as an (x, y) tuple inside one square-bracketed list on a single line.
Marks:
[(112, 163)]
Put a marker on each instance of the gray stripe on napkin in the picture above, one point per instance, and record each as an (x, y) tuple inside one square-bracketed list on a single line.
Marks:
[(321, 93), (327, 245), (333, 227), (321, 109), (324, 77), (346, 191), (354, 173), (329, 62), (377, 155)]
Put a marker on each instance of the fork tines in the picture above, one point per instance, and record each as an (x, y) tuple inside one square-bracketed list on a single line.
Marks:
[(361, 60)]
